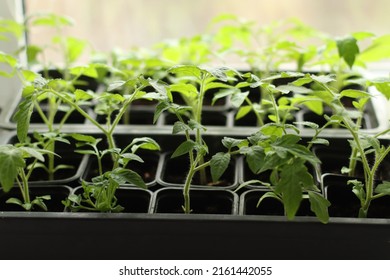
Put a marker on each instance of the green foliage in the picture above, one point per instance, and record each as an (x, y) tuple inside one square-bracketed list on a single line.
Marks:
[(348, 49), (15, 172), (99, 195)]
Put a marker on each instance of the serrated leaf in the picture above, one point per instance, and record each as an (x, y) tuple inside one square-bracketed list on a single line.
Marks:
[(230, 143), (22, 118), (179, 127), (195, 125), (294, 178), (348, 49), (160, 108), (11, 160), (123, 176), (218, 165), (272, 129), (323, 79), (186, 70), (319, 205), (183, 148), (255, 157)]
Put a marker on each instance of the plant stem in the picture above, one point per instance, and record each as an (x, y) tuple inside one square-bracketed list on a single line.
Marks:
[(198, 118), (186, 190), (260, 121), (24, 186), (80, 110)]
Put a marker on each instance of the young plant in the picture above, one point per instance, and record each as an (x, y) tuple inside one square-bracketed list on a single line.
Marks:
[(277, 149), (15, 170), (192, 83), (99, 195), (35, 90), (363, 146)]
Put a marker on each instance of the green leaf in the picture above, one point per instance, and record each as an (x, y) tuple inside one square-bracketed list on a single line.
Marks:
[(323, 79), (353, 93), (272, 129), (88, 71), (238, 98), (122, 176), (84, 138), (358, 189), (179, 127), (308, 124), (14, 200), (75, 48), (383, 188), (294, 178), (293, 88), (195, 125), (348, 49), (183, 148), (268, 195), (187, 90), (230, 143), (383, 86), (255, 157), (186, 70), (10, 61), (145, 143), (379, 50), (11, 160), (130, 156), (33, 153), (319, 205), (320, 141), (115, 85), (29, 76), (160, 108), (218, 165), (82, 95), (243, 111), (52, 20), (22, 118), (223, 93)]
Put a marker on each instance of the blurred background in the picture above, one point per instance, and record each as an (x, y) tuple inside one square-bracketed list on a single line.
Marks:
[(127, 23)]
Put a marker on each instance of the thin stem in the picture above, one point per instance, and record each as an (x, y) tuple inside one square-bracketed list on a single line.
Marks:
[(198, 118), (259, 118), (24, 186), (41, 113), (187, 188), (80, 110)]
